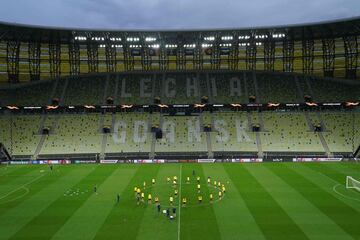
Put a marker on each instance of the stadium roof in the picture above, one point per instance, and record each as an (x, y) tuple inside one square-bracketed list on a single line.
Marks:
[(327, 29)]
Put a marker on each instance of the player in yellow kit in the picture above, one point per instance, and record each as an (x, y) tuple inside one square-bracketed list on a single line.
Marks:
[(149, 198), (219, 184), (175, 192), (200, 199), (198, 188), (211, 197), (215, 183), (144, 184), (171, 199), (198, 179), (156, 200), (142, 196), (184, 201), (209, 180), (153, 181), (223, 189), (135, 190), (220, 194), (168, 180), (188, 180)]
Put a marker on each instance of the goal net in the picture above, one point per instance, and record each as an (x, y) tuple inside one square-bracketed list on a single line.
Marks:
[(352, 183)]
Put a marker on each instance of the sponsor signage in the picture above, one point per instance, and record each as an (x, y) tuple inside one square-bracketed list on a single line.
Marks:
[(206, 160), (317, 159)]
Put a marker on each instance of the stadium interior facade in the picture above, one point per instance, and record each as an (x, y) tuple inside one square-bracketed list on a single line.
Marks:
[(262, 92)]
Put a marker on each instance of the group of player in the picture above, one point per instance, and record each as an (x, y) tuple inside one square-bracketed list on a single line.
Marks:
[(140, 195)]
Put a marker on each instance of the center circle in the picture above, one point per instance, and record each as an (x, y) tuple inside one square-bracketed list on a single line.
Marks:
[(189, 190)]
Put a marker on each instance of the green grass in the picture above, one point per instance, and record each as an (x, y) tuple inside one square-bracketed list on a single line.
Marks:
[(262, 201)]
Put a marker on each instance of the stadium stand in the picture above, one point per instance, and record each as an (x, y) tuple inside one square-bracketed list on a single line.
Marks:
[(181, 134), (288, 132), (131, 134), (79, 133), (175, 88)]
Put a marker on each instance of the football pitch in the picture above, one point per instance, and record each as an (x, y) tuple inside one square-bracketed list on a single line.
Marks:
[(261, 201)]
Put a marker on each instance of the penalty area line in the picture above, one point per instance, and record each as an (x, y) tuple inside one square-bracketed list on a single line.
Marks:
[(347, 197), (9, 193)]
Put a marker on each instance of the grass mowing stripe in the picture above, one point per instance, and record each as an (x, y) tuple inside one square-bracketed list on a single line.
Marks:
[(154, 225), (123, 222), (179, 204), (16, 218), (17, 198), (314, 223), (342, 214), (233, 217), (17, 178), (347, 168), (62, 209), (271, 218), (337, 172), (330, 185), (97, 207), (197, 222), (13, 171)]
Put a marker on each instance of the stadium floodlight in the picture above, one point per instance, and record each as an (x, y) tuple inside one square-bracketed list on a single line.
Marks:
[(261, 36), (116, 46), (132, 39), (102, 45), (244, 44), (150, 39), (135, 46), (225, 45), (206, 45), (258, 44), (97, 38), (244, 37), (115, 39), (154, 46), (80, 38), (352, 183), (190, 45), (278, 35), (226, 38), (210, 38), (171, 46)]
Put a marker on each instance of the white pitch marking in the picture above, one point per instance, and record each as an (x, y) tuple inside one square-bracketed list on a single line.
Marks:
[(179, 204), (2, 197), (334, 189)]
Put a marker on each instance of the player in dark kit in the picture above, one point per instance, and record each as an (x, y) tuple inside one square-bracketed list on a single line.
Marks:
[(95, 189), (158, 208), (118, 198)]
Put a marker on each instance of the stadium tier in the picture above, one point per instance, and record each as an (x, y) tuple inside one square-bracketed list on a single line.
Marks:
[(177, 88), (230, 132)]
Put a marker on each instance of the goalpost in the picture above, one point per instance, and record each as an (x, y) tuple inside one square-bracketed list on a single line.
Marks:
[(352, 183)]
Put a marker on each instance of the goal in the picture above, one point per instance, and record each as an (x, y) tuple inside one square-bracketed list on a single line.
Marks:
[(352, 183)]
